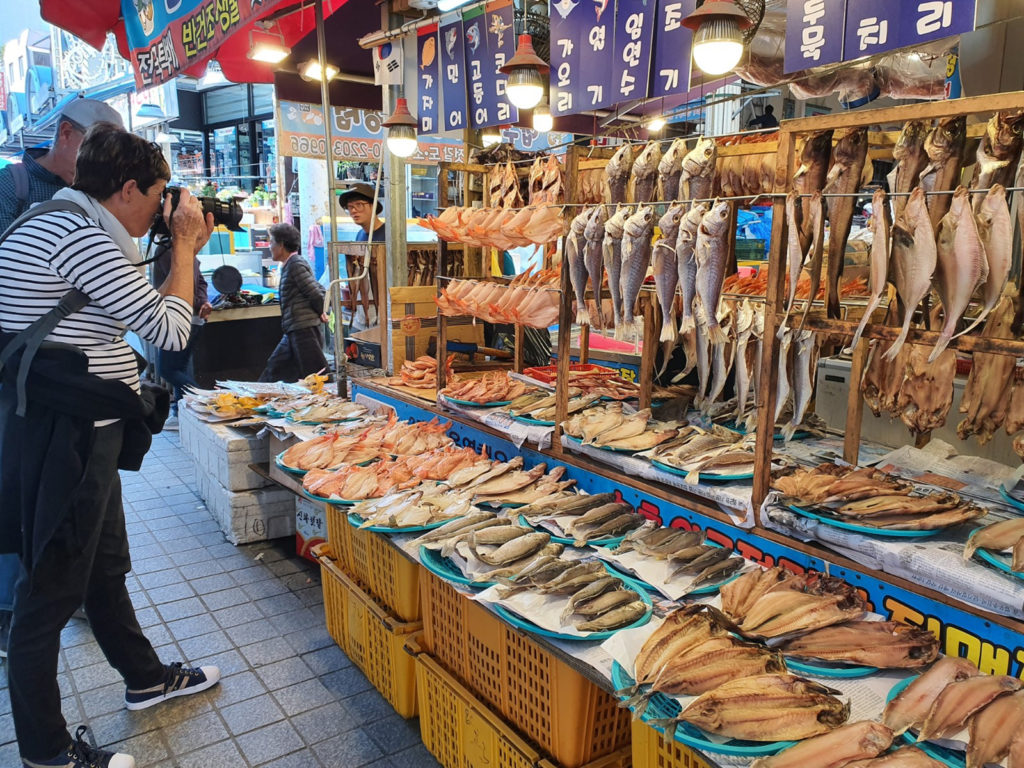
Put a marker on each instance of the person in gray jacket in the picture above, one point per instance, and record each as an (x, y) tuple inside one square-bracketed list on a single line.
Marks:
[(301, 349)]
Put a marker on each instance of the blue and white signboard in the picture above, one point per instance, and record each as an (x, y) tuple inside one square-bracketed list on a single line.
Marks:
[(426, 76), (634, 39), (566, 26), (814, 33), (595, 88), (501, 46), (876, 26), (672, 42), (453, 75)]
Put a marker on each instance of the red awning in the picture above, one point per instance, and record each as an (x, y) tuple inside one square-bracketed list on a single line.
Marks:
[(93, 20)]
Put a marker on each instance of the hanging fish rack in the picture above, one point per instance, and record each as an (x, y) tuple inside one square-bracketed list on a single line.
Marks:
[(817, 321)]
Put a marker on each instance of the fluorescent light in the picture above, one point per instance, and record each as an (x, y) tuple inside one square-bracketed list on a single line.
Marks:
[(212, 77), (268, 53), (717, 35), (525, 87)]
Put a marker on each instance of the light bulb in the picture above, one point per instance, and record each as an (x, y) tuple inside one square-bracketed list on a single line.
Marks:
[(443, 6), (525, 87), (542, 120), (269, 53), (402, 140), (490, 137), (718, 45), (311, 71), (656, 124)]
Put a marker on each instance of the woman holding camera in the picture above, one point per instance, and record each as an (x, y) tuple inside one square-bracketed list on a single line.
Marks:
[(83, 420), (301, 349)]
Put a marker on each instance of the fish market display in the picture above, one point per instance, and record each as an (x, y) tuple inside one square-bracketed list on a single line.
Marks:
[(501, 227), (575, 245), (844, 177), (814, 227), (330, 451), (686, 266), (409, 438), (670, 169), (986, 395), (546, 182), (421, 373), (809, 178), (644, 179), (636, 257), (912, 262), (944, 146), (883, 378), (768, 707), (926, 394), (794, 253), (593, 259), (998, 152), (879, 259), (696, 451), (711, 254), (961, 266), (666, 275), (496, 386), (1004, 536), (996, 232), (872, 498), (542, 407), (910, 159), (683, 553), (697, 182), (355, 482), (224, 406), (614, 428), (882, 644), (611, 249), (997, 731), (529, 299), (332, 410), (412, 508), (805, 366), (855, 741), (746, 359), (617, 174), (910, 708), (904, 757)]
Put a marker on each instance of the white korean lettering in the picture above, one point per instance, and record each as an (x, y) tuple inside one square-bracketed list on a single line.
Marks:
[(480, 115), (504, 111), (564, 75), (499, 86), (427, 124), (596, 93), (428, 81), (671, 78), (673, 17), (871, 31), (564, 101), (627, 83), (452, 70), (812, 39), (631, 53), (935, 15), (596, 38), (566, 45), (427, 102), (478, 93), (475, 72), (813, 11), (454, 118), (635, 25), (499, 61)]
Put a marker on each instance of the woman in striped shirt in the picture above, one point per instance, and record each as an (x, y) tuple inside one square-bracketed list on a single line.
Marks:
[(119, 184)]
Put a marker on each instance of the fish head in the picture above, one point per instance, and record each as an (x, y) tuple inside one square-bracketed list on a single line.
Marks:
[(946, 138), (595, 223), (669, 221), (910, 139), (579, 223), (671, 159), (961, 203), (1006, 131), (640, 222), (621, 163), (648, 161), (994, 201), (693, 218), (717, 219)]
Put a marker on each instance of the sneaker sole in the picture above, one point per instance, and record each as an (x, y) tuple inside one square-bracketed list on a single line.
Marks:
[(137, 705)]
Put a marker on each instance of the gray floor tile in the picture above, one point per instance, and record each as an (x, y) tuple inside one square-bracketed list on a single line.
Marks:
[(225, 599), (266, 744), (286, 602), (348, 750), (326, 660), (323, 723), (368, 706), (238, 614), (213, 583), (238, 687), (147, 617), (102, 701), (312, 639), (83, 655), (284, 672), (302, 697), (159, 578), (346, 682), (183, 629), (253, 632), (229, 662), (94, 676), (250, 574), (251, 714), (147, 749), (170, 593), (267, 651), (195, 733), (223, 753), (304, 758), (265, 588), (201, 569), (414, 757), (197, 649), (393, 734)]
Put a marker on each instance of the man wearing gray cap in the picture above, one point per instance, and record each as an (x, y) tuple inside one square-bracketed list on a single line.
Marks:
[(42, 172), (358, 201)]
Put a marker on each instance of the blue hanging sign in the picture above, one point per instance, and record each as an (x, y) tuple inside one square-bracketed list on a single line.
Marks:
[(475, 43), (426, 76), (924, 20), (876, 26), (814, 33), (566, 30), (634, 35), (501, 46), (595, 87), (453, 76), (670, 73)]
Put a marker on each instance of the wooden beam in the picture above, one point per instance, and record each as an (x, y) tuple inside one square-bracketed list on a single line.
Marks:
[(517, 364), (564, 345), (855, 404), (648, 353), (920, 111), (584, 344), (749, 148)]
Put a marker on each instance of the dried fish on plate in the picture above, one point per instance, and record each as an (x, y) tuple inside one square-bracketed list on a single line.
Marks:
[(494, 386), (862, 740), (960, 699), (882, 644), (341, 410), (994, 729), (412, 508), (1003, 536), (905, 757), (910, 707)]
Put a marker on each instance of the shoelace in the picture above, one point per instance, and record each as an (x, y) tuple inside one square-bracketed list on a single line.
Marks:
[(176, 675), (83, 751)]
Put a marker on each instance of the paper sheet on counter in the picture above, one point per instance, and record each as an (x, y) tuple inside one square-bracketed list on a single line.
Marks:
[(499, 419), (540, 609)]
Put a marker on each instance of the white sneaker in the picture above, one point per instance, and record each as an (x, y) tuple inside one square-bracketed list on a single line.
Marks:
[(82, 754)]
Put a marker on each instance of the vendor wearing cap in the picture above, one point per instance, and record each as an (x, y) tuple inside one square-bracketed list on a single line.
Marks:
[(358, 201), (42, 172)]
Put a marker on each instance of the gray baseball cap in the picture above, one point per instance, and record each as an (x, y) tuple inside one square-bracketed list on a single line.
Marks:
[(85, 112)]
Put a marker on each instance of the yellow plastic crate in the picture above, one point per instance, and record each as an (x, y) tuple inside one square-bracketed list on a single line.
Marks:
[(621, 759), (568, 716), (372, 638), (376, 565), (335, 597), (652, 750), (459, 730)]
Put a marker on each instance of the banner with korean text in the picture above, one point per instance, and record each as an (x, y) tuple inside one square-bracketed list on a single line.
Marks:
[(426, 77)]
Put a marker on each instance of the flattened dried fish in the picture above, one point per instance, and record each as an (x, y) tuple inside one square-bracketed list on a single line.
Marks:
[(910, 707), (619, 617), (645, 173), (711, 255), (699, 170), (959, 700), (883, 644), (856, 741), (913, 261), (879, 260)]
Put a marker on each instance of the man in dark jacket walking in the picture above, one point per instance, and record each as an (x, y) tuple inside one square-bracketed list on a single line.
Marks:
[(301, 349)]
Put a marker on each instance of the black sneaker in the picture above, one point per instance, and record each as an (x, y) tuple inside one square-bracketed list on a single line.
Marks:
[(179, 681), (81, 754), (5, 631)]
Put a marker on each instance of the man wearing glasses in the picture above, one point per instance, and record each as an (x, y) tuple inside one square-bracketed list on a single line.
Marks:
[(42, 172), (358, 201)]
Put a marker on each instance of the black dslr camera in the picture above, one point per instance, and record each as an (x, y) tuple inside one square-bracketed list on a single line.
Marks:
[(225, 212)]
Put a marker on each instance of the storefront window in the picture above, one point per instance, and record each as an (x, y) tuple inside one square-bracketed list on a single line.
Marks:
[(224, 165)]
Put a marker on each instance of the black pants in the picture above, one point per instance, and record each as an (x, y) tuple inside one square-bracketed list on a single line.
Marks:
[(298, 354), (83, 564)]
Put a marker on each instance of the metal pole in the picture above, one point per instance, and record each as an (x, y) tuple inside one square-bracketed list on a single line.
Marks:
[(340, 368)]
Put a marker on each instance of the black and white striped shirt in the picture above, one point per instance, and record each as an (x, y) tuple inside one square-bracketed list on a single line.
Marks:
[(52, 253)]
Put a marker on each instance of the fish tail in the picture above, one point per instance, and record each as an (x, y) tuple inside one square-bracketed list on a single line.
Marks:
[(692, 477), (668, 724), (668, 329), (940, 346), (582, 314), (969, 548), (788, 431), (717, 335), (637, 703), (974, 324), (890, 354), (686, 325)]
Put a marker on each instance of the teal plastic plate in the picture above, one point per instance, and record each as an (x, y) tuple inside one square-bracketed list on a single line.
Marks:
[(288, 416), (603, 448), (888, 532), (823, 669), (284, 467), (662, 707), (355, 521), (473, 404), (948, 757), (707, 477), (612, 542), (707, 589), (335, 502), (1010, 499), (528, 626), (533, 422), (997, 560), (447, 570), (800, 434)]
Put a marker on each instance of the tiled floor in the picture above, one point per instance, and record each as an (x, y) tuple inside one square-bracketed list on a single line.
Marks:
[(289, 697)]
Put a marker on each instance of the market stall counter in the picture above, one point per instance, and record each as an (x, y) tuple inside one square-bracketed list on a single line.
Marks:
[(236, 343)]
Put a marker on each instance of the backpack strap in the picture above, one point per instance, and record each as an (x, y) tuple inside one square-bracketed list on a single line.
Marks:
[(19, 173), (32, 337)]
